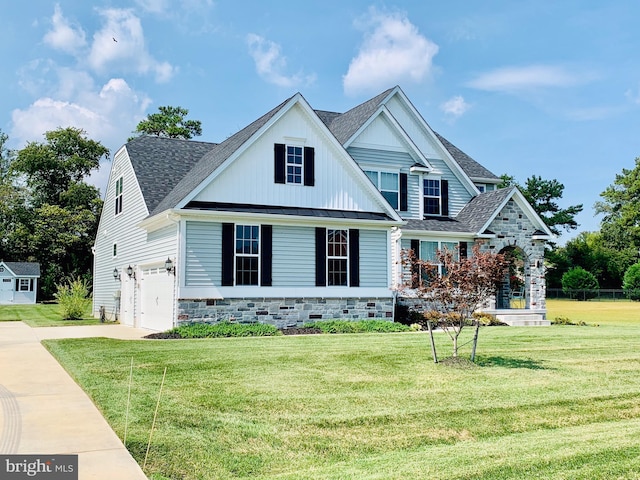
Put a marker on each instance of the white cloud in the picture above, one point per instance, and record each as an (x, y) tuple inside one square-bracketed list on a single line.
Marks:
[(455, 107), (120, 46), (154, 6), (64, 36), (271, 64), (513, 79), (393, 52)]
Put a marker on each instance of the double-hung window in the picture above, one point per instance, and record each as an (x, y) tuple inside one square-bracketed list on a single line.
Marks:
[(247, 254), (432, 196), (24, 285), (429, 250), (337, 257), (388, 184), (118, 195), (294, 164)]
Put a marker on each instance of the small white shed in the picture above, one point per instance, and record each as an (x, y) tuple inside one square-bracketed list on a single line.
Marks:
[(19, 282)]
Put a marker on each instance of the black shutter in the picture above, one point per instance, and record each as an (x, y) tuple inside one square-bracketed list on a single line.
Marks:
[(279, 163), (31, 285), (404, 193), (266, 255), (415, 280), (309, 166), (354, 257), (444, 191), (227, 254), (321, 257), (462, 250), (17, 285)]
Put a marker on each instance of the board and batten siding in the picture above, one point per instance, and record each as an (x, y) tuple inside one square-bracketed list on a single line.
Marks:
[(381, 160), (203, 260), (249, 179)]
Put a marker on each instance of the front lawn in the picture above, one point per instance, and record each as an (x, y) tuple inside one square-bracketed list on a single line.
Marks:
[(42, 315), (560, 402)]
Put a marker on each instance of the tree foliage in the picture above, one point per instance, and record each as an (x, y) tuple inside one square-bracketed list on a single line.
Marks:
[(450, 299), (621, 209), (543, 196), (631, 282), (170, 122), (48, 212), (580, 284)]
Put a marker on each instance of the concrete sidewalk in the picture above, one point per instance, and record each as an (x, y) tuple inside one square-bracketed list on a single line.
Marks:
[(43, 411)]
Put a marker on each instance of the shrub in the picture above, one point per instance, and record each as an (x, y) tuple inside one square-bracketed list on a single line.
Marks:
[(223, 329), (580, 284), (358, 326), (631, 282), (74, 299)]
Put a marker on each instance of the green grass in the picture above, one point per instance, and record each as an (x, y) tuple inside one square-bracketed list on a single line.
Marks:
[(41, 315), (620, 312), (558, 402)]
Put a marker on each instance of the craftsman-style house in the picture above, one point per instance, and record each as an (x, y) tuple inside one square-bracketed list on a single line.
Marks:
[(300, 215)]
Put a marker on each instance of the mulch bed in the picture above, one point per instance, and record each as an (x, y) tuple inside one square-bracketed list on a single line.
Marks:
[(285, 331)]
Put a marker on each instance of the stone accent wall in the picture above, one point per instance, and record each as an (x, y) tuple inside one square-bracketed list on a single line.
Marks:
[(283, 312), (514, 229)]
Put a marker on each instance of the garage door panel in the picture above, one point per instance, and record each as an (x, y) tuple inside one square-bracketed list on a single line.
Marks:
[(156, 311)]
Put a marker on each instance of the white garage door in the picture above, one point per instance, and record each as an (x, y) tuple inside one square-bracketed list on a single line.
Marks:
[(156, 310)]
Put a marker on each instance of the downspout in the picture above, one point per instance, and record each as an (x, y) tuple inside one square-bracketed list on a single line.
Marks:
[(176, 282)]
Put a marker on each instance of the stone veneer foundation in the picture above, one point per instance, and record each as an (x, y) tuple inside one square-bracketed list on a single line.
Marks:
[(283, 312)]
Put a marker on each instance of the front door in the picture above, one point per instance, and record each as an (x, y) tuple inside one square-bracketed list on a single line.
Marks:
[(6, 290)]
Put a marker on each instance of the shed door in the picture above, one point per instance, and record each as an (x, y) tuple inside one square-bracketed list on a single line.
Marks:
[(156, 291), (6, 290)]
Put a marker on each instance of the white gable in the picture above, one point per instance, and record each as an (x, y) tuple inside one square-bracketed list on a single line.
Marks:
[(380, 135), (249, 177)]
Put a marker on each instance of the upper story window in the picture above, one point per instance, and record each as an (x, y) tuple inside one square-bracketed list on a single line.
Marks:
[(388, 184), (247, 254), (337, 257), (294, 164), (432, 197), (481, 187), (119, 195)]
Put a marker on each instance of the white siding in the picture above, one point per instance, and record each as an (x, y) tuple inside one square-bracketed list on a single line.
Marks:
[(134, 246), (380, 134), (249, 179), (203, 261)]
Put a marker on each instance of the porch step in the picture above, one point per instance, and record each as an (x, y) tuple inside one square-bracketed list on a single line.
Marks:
[(525, 319)]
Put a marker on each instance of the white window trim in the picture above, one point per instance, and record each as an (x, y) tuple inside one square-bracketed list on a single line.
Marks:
[(423, 196), (455, 243), (337, 257), (245, 255), (286, 163), (378, 183), (119, 197)]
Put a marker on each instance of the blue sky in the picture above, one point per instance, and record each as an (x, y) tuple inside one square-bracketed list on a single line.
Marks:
[(527, 88)]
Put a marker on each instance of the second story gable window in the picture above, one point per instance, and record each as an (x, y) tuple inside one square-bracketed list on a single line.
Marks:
[(435, 197), (119, 196), (388, 184), (294, 165)]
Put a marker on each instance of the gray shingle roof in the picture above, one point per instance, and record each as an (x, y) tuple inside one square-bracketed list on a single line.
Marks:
[(160, 163), (481, 208), (27, 269), (469, 165), (211, 160), (438, 224), (282, 210), (344, 125)]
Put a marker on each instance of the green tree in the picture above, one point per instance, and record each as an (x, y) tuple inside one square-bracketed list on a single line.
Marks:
[(56, 214), (170, 122), (631, 282), (543, 196), (621, 209), (580, 284)]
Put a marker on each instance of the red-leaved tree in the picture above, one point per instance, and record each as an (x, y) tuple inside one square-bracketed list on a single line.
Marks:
[(450, 289)]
